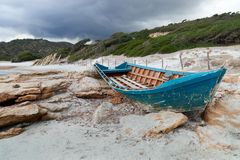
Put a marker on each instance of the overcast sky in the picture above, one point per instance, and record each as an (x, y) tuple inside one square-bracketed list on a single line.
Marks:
[(71, 20)]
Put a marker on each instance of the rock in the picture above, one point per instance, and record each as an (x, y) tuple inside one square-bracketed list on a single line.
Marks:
[(231, 78), (215, 137), (235, 62), (52, 116), (66, 105), (88, 84), (31, 91), (46, 95), (89, 94), (93, 94), (105, 113), (11, 132), (39, 74), (80, 75), (50, 59), (30, 97), (224, 112), (8, 92), (50, 86), (54, 107), (153, 125), (218, 62), (169, 121), (89, 87), (9, 78), (16, 86), (6, 97), (157, 34), (15, 115), (117, 98)]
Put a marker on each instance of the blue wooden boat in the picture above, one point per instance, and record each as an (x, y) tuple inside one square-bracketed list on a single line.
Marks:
[(178, 91)]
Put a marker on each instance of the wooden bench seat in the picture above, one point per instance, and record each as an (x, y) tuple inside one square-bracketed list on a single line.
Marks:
[(127, 83), (117, 82), (133, 82)]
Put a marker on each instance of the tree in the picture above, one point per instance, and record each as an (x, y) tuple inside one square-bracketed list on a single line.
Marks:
[(24, 56)]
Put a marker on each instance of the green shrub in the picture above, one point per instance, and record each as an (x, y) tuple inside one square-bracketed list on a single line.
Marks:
[(24, 56), (73, 57), (64, 52)]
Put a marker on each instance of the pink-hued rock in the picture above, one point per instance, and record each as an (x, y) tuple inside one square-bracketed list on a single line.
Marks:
[(153, 125), (231, 78), (16, 115), (11, 132), (31, 91), (105, 113), (9, 91), (89, 87), (215, 137), (224, 112)]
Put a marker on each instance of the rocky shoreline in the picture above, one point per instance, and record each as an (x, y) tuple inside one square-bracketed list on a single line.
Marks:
[(75, 115), (27, 98), (54, 95)]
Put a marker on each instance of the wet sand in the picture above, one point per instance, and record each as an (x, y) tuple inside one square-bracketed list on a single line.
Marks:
[(7, 67)]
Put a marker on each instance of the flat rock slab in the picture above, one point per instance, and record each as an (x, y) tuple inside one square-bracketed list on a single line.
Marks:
[(16, 115), (87, 84), (91, 88), (11, 132), (231, 78), (153, 125), (105, 113), (224, 112), (216, 137), (31, 91)]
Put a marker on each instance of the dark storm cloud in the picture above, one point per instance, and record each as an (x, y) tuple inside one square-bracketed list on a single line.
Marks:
[(88, 18)]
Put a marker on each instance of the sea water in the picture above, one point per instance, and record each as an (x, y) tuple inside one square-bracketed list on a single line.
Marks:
[(2, 73)]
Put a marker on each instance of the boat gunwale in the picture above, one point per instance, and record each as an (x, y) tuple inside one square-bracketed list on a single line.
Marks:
[(162, 88), (161, 70), (168, 85)]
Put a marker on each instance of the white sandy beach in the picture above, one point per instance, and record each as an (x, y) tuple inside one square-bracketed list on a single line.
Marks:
[(74, 139)]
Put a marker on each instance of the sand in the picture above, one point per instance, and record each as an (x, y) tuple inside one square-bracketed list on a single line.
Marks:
[(73, 139)]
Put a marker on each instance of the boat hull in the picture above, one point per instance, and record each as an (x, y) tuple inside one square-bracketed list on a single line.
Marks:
[(186, 98), (189, 93)]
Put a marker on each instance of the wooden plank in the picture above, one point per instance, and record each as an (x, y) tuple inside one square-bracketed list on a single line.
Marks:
[(165, 78), (118, 83), (127, 83), (158, 83), (145, 76), (150, 77), (141, 73), (135, 73), (155, 75), (175, 76), (158, 76), (138, 74), (131, 81), (133, 70)]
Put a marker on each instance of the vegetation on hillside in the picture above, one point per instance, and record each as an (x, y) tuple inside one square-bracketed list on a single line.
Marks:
[(24, 56), (217, 30), (19, 50)]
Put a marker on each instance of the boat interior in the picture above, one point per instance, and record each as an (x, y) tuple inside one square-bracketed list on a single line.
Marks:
[(140, 78)]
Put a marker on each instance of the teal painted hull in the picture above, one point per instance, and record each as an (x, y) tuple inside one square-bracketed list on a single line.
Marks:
[(191, 92)]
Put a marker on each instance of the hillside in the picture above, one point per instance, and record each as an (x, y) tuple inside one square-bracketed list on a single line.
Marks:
[(218, 30), (32, 48)]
